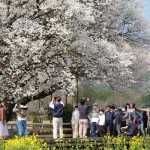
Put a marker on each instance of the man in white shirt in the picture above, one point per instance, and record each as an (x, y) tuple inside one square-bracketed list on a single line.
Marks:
[(101, 123), (57, 106)]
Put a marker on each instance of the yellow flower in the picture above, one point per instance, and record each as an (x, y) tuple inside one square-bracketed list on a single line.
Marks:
[(63, 135)]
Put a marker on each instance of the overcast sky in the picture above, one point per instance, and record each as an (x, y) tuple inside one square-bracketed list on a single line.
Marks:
[(147, 8)]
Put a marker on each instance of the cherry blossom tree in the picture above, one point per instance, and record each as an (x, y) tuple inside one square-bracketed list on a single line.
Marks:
[(46, 45)]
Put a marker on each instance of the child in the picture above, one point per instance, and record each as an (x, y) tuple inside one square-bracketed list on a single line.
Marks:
[(101, 123)]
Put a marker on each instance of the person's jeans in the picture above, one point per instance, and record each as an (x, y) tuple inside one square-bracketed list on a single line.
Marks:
[(83, 125), (118, 129), (57, 125), (141, 128), (22, 125), (94, 128)]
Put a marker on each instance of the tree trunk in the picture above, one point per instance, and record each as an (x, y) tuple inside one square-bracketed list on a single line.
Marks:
[(77, 88), (66, 99)]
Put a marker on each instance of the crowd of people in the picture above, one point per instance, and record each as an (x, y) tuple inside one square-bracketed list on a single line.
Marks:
[(92, 121), (88, 119)]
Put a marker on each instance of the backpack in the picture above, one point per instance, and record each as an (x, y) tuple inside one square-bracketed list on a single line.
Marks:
[(137, 121), (59, 112)]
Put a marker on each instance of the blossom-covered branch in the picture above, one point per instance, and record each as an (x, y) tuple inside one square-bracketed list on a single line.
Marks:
[(46, 44)]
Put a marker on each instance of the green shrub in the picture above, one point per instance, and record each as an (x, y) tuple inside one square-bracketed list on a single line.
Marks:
[(68, 109)]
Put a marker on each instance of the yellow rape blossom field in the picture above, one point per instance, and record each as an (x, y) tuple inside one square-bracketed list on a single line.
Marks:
[(25, 143), (108, 143)]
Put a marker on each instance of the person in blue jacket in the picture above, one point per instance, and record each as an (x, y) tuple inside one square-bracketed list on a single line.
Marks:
[(139, 121)]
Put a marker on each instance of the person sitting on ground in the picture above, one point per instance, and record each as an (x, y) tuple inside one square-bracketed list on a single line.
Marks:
[(94, 115), (21, 110), (75, 122), (57, 105), (83, 118), (130, 127)]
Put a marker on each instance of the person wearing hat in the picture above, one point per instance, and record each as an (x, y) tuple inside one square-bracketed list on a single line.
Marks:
[(94, 115), (83, 118), (21, 110)]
